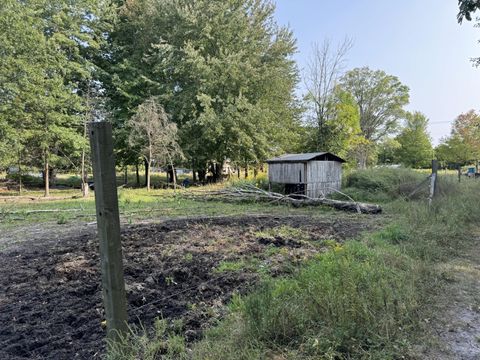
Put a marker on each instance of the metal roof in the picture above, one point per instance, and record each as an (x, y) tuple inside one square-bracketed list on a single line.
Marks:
[(306, 157)]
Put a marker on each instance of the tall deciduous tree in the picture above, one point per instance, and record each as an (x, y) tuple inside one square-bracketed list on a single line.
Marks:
[(46, 50), (155, 135), (380, 99), (415, 145), (222, 69), (454, 150), (325, 67), (467, 128)]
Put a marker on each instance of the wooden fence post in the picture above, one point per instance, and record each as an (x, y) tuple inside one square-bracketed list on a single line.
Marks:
[(108, 225), (433, 182)]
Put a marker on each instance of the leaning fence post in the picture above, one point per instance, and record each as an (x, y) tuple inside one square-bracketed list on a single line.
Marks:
[(108, 225), (433, 182)]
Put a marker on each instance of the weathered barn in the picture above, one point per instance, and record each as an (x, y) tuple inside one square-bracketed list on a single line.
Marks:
[(312, 174)]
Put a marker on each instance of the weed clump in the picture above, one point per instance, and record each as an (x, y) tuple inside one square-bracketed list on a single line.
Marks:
[(382, 184)]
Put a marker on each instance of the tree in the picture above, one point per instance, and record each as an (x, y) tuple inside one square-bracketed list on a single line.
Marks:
[(466, 9), (342, 129), (46, 51), (388, 151), (415, 145), (467, 127), (380, 99), (155, 135), (453, 150), (222, 69), (325, 67), (463, 145)]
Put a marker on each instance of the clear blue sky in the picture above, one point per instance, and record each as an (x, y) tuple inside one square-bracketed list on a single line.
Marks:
[(419, 41)]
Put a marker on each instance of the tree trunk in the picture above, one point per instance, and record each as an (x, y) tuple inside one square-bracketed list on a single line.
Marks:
[(137, 175), (362, 159), (147, 174), (84, 175), (217, 171), (255, 172), (202, 175), (238, 172), (46, 176), (20, 185), (174, 177), (246, 171), (194, 175), (125, 175)]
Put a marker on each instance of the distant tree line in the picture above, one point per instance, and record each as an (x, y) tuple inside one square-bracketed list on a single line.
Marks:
[(190, 83)]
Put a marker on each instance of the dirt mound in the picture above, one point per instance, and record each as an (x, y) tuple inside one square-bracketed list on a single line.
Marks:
[(50, 294)]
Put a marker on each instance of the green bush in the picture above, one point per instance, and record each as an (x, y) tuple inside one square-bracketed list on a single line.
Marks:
[(382, 184), (261, 181), (27, 180)]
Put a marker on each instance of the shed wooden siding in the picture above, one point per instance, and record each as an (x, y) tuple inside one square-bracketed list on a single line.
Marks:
[(320, 177), (287, 173), (323, 177)]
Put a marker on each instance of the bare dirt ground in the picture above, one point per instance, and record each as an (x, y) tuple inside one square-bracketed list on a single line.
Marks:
[(456, 320), (50, 287)]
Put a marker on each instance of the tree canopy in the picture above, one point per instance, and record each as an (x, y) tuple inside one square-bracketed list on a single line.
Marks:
[(466, 9), (46, 52), (415, 148), (463, 145), (222, 69), (380, 99)]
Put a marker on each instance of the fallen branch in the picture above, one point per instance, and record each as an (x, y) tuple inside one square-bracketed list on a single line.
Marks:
[(251, 193), (40, 211)]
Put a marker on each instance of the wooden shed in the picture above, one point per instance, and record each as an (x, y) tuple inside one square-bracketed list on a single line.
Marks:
[(311, 174)]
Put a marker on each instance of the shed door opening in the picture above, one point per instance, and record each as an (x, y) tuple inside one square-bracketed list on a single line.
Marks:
[(292, 189)]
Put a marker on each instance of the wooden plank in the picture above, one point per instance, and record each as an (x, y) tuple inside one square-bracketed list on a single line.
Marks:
[(108, 225)]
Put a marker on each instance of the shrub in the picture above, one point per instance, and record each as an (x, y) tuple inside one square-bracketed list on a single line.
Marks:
[(382, 184)]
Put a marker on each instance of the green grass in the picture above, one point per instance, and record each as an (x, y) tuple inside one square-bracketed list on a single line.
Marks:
[(165, 342), (134, 204), (360, 300), (284, 232), (251, 264), (352, 302), (382, 185)]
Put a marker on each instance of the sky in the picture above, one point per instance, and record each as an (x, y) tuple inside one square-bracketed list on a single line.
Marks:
[(419, 41)]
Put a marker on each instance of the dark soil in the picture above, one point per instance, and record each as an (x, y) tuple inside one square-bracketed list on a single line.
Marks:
[(50, 294)]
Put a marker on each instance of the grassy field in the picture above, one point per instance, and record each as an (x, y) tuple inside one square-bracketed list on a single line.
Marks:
[(364, 298)]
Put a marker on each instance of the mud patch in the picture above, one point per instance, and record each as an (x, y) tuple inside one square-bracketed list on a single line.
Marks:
[(50, 294)]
